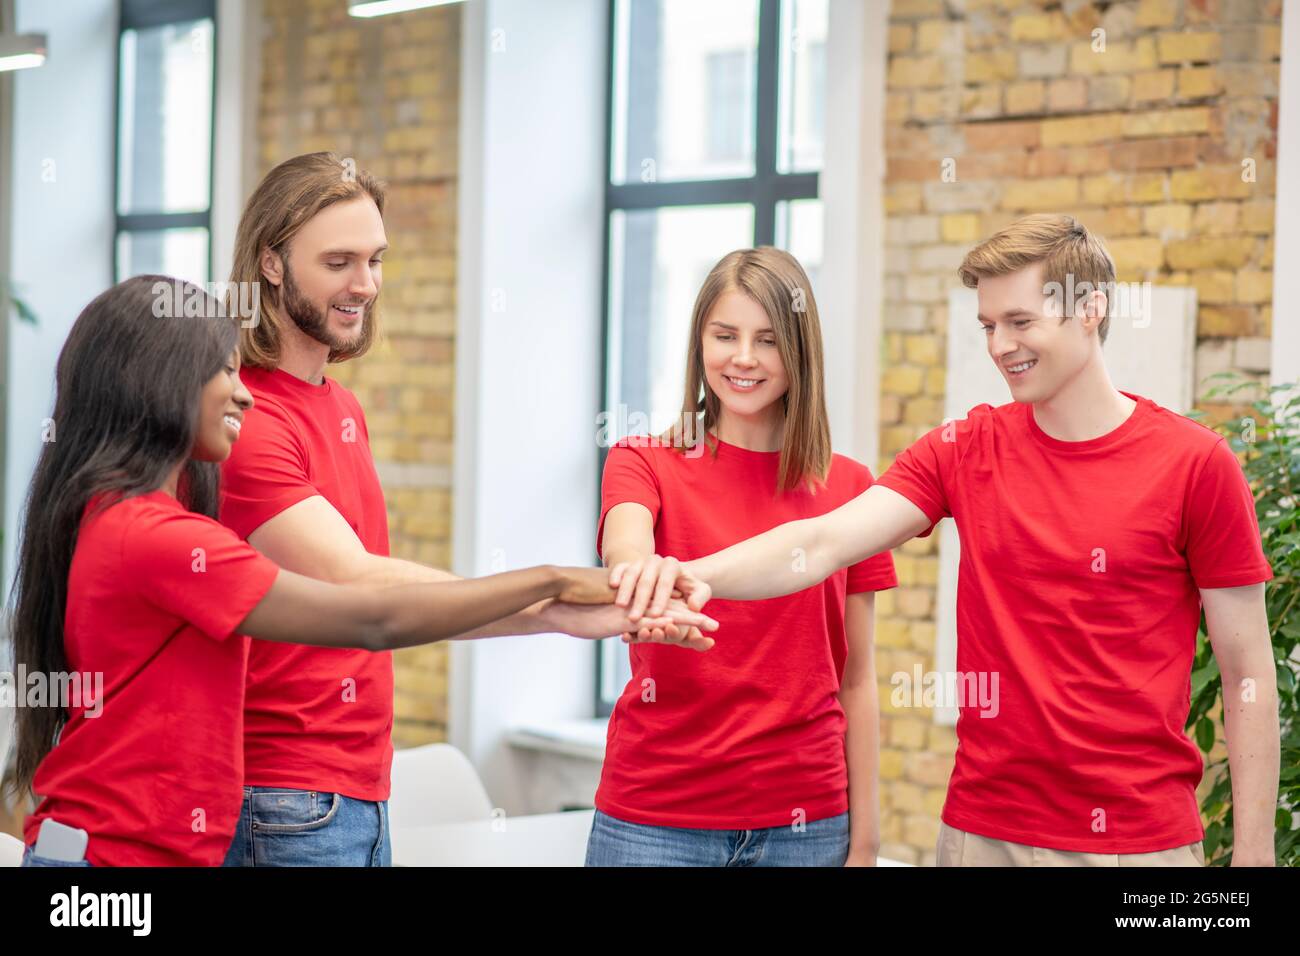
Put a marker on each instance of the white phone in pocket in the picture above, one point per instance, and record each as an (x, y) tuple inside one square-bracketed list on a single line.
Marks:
[(54, 841)]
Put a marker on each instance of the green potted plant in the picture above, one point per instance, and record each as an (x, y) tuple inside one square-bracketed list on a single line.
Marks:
[(1269, 441)]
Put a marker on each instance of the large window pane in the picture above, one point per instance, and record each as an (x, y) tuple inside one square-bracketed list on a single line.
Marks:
[(684, 95), (799, 232), (658, 261), (802, 109), (182, 253), (684, 89), (165, 119)]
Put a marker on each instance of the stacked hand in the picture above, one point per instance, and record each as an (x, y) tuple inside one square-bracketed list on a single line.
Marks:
[(677, 625), (586, 608), (648, 586)]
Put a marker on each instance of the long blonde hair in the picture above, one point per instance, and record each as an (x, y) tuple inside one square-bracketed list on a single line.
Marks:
[(778, 284), (284, 201)]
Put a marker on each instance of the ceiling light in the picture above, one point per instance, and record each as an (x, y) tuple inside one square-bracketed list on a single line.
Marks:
[(381, 8), (21, 52)]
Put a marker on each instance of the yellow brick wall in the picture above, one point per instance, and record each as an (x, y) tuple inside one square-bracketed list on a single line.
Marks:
[(1144, 142), (385, 92)]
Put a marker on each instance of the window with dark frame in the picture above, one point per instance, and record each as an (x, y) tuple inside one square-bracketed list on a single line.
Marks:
[(715, 127), (728, 70), (166, 95)]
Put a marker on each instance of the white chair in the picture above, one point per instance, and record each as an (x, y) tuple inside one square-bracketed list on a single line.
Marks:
[(435, 784), (11, 850)]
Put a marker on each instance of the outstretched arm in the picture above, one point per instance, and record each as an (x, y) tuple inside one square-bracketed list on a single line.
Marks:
[(301, 610), (312, 539), (628, 548), (789, 558)]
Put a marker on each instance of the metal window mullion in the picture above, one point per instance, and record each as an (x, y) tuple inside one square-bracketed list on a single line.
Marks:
[(706, 192), (765, 136), (701, 192), (212, 137), (605, 707), (154, 221), (143, 14)]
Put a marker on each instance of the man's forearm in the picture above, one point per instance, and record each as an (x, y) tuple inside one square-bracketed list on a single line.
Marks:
[(1250, 723), (799, 554), (786, 559)]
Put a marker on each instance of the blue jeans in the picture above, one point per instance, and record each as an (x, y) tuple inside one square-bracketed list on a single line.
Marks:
[(279, 827), (31, 859), (615, 842)]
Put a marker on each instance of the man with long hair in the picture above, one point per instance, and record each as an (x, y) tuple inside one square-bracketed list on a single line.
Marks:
[(301, 486)]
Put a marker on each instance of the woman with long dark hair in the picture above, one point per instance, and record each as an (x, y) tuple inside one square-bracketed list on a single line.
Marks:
[(124, 574)]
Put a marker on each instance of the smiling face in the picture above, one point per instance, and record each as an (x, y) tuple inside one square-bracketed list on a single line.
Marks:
[(222, 405), (331, 277), (742, 365), (1036, 352)]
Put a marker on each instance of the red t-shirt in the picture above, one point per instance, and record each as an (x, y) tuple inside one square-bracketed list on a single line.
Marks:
[(151, 768), (1078, 586), (752, 732), (316, 718)]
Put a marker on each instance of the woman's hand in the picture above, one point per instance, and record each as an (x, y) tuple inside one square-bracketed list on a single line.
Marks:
[(679, 624), (652, 631), (647, 585)]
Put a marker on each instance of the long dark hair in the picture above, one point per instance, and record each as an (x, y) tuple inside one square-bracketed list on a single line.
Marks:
[(126, 410)]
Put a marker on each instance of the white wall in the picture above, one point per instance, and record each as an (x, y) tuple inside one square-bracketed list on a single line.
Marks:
[(61, 213), (852, 190), (234, 167), (528, 350)]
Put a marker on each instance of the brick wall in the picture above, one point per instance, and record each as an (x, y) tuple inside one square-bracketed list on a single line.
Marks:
[(1144, 142), (385, 92)]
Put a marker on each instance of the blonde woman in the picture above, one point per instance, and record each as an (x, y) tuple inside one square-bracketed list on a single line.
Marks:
[(765, 753)]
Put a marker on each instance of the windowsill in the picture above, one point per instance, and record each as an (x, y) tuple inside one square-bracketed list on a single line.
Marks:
[(584, 739)]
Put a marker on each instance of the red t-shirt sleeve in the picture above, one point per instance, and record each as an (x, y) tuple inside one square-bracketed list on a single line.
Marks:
[(266, 471), (920, 472), (1222, 540), (628, 476), (875, 573), (191, 567)]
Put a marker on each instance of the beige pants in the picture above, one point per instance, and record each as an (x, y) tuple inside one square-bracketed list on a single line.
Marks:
[(959, 848)]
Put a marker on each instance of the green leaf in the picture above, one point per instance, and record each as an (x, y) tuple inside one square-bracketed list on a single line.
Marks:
[(25, 313), (1203, 676), (1205, 734), (1213, 837)]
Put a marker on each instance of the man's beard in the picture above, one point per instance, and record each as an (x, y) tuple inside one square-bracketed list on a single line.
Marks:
[(313, 321)]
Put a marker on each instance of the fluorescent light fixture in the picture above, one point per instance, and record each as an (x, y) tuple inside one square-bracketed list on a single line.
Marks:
[(21, 52), (381, 8)]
